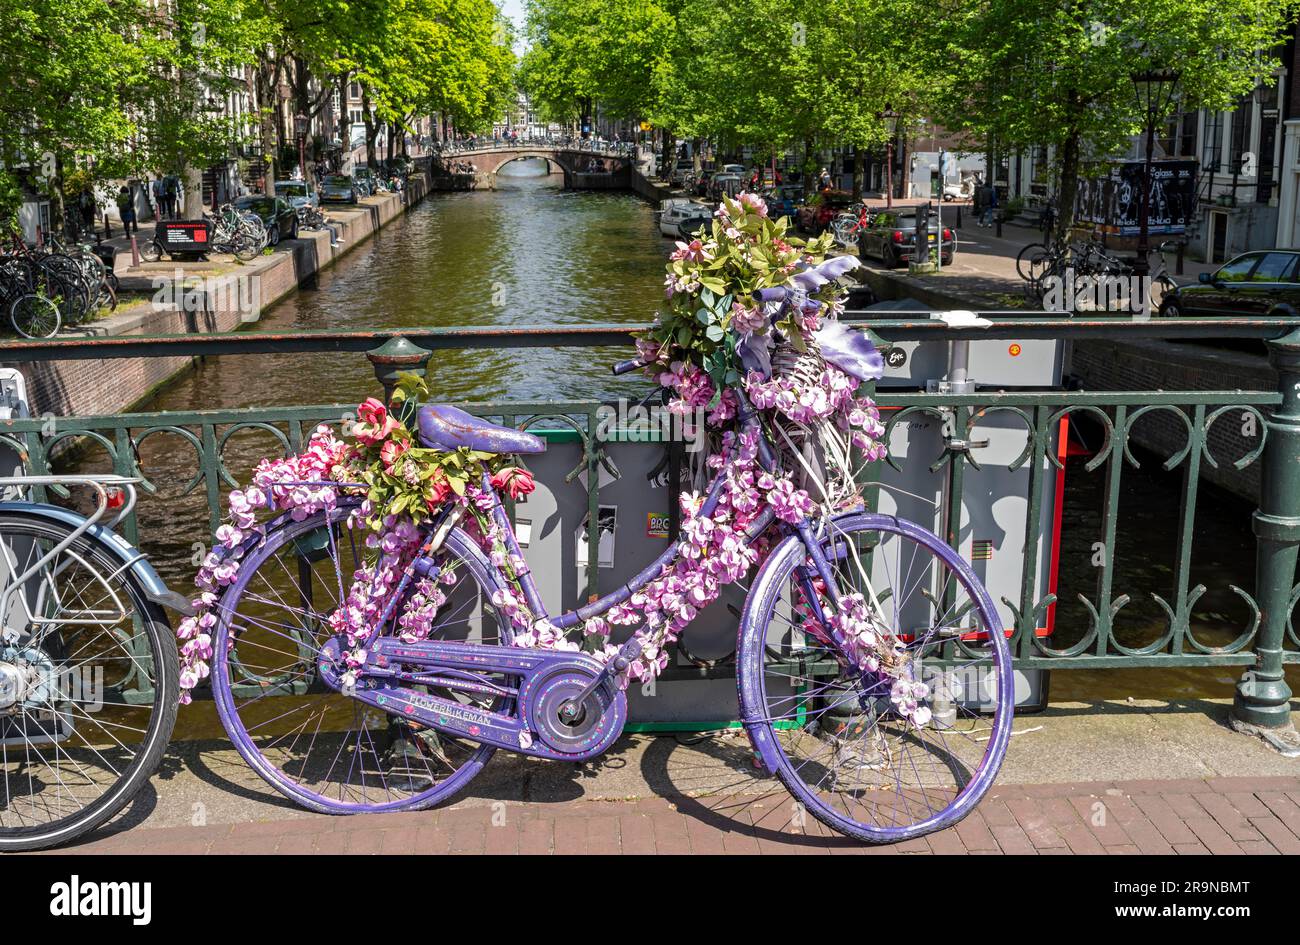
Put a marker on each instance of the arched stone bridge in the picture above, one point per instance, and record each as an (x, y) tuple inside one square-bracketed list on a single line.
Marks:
[(583, 168)]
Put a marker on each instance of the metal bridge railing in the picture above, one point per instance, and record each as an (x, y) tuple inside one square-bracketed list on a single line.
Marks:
[(1262, 643)]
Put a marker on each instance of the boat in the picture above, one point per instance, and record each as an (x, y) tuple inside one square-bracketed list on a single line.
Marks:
[(679, 215)]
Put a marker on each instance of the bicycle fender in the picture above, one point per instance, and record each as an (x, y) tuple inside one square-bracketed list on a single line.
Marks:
[(127, 555)]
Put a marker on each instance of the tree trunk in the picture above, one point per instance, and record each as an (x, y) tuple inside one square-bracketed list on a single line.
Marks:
[(372, 129), (264, 80), (859, 164), (1069, 185)]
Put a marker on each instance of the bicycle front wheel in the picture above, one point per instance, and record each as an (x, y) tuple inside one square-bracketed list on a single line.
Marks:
[(857, 755), (89, 667), (1030, 260), (35, 316)]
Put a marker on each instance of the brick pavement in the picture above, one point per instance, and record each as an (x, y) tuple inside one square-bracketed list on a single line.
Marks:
[(1217, 815)]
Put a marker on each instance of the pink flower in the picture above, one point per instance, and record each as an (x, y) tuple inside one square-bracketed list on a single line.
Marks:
[(392, 451), (693, 251), (754, 204), (373, 422), (515, 480)]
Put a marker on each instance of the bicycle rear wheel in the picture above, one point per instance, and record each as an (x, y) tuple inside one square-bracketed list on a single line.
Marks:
[(89, 689), (851, 752)]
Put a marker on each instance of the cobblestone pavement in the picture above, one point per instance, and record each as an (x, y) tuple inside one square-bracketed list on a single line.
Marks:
[(1215, 815)]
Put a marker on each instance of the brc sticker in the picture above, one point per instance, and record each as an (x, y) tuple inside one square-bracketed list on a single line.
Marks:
[(656, 525)]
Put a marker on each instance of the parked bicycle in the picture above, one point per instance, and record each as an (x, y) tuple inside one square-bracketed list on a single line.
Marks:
[(88, 662), (71, 278), (397, 608), (238, 233), (848, 225)]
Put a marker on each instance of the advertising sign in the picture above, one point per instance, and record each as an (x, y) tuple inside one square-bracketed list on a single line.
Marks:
[(183, 237), (1113, 202)]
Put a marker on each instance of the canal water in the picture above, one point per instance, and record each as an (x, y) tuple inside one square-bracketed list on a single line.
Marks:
[(531, 253)]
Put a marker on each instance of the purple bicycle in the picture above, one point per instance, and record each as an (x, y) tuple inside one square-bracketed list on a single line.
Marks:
[(873, 671)]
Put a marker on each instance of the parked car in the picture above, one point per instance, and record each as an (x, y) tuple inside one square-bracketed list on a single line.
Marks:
[(1252, 284), (297, 192), (339, 187), (279, 218), (683, 169), (892, 236), (727, 185), (704, 182), (733, 169)]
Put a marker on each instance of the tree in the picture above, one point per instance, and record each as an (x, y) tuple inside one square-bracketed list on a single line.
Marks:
[(589, 51), (1058, 72)]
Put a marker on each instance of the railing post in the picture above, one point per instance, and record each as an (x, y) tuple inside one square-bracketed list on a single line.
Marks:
[(395, 356), (1262, 702)]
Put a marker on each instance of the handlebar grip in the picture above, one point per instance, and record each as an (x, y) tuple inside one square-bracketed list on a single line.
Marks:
[(628, 366), (777, 294)]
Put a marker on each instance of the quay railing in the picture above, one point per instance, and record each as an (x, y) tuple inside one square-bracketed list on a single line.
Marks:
[(1261, 643)]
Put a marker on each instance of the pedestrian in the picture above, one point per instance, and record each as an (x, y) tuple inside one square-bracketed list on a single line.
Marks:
[(172, 195), (159, 190), (824, 179), (126, 210), (990, 208), (86, 206)]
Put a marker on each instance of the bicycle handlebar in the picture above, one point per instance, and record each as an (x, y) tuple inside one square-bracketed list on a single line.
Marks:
[(627, 367)]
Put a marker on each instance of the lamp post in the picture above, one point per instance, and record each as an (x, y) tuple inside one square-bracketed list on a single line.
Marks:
[(1155, 90), (890, 118), (301, 123)]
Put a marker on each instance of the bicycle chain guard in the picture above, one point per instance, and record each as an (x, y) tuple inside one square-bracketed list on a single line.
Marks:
[(530, 720)]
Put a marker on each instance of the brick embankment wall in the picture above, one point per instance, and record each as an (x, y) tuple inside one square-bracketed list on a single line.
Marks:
[(234, 295), (647, 189), (1142, 365)]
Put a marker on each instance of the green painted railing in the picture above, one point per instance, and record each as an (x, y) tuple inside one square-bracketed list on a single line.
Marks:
[(1263, 644)]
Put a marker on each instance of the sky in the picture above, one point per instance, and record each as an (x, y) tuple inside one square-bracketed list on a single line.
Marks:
[(514, 11)]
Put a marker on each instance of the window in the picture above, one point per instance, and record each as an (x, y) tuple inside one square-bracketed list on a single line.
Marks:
[(1243, 123), (1212, 144), (1274, 267), (1178, 137), (1239, 269)]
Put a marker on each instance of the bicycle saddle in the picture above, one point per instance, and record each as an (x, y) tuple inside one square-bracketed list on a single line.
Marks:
[(447, 428)]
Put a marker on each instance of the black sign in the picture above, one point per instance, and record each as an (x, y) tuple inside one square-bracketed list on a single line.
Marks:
[(1113, 201), (183, 237)]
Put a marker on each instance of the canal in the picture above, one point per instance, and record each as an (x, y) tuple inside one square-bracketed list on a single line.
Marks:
[(531, 253)]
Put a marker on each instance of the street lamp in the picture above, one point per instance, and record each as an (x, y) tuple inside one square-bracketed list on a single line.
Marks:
[(890, 118), (1155, 90), (301, 124)]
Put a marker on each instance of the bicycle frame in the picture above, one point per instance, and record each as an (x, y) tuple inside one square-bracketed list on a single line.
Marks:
[(425, 562)]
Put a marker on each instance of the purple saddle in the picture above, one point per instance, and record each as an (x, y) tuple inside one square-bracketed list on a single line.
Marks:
[(447, 428)]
